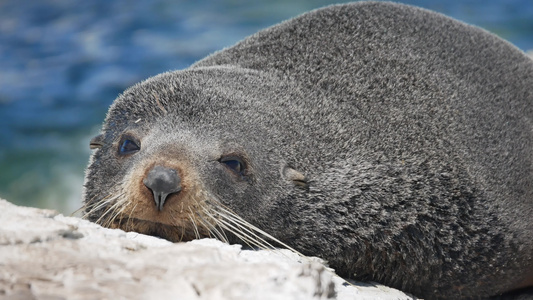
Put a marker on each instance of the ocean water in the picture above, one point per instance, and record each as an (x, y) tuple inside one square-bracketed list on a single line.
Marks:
[(63, 62)]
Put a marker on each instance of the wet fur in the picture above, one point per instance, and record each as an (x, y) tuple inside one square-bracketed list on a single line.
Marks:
[(414, 132)]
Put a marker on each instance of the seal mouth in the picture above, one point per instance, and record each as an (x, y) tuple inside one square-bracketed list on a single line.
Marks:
[(173, 233)]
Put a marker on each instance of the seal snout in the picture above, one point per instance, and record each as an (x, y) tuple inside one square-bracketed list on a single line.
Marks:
[(162, 181)]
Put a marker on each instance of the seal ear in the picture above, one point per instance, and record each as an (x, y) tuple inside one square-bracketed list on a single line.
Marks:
[(296, 177), (96, 142)]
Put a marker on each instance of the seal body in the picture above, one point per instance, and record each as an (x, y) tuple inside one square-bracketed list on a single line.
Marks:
[(394, 142)]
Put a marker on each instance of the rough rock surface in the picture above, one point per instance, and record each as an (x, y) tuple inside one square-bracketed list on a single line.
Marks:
[(45, 255)]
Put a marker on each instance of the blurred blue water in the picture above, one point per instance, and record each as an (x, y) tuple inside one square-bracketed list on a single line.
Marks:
[(63, 62)]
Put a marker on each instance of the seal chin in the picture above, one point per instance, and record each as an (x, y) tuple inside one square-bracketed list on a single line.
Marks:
[(169, 232)]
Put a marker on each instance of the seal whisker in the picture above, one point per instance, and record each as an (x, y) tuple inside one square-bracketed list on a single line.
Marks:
[(99, 204), (79, 210), (197, 218), (252, 240), (113, 212), (212, 228), (244, 233), (239, 234), (183, 232), (130, 219), (91, 208), (208, 226), (110, 210), (195, 227), (118, 207), (254, 230), (238, 230)]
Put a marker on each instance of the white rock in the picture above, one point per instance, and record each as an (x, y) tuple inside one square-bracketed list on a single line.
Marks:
[(44, 255)]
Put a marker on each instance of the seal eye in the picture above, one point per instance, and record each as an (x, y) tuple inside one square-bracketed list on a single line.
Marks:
[(128, 146), (234, 164)]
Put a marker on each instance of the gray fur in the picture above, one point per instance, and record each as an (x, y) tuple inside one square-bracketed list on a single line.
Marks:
[(413, 130)]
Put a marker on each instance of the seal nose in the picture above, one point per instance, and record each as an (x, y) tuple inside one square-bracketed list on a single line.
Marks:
[(162, 182)]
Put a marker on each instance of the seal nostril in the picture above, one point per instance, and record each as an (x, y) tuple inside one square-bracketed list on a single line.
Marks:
[(162, 182)]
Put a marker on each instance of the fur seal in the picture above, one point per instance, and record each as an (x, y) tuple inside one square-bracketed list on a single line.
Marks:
[(394, 142)]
